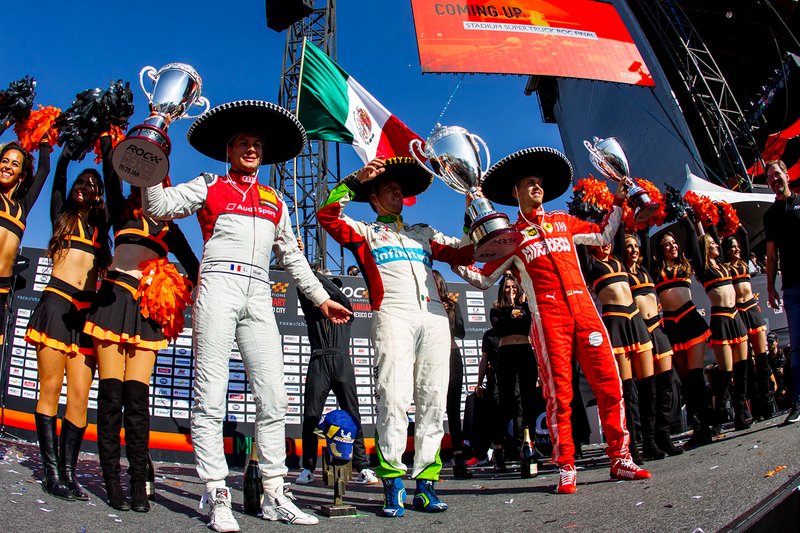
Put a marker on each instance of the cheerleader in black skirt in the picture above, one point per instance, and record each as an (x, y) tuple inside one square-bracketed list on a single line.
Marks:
[(127, 331), (79, 250), (736, 249)]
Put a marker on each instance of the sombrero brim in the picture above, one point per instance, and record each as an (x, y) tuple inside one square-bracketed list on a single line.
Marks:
[(547, 163), (283, 135), (412, 177)]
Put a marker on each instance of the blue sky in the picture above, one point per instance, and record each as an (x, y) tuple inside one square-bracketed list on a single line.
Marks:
[(69, 49)]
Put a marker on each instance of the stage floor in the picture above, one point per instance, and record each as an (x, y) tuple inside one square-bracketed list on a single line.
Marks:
[(706, 488)]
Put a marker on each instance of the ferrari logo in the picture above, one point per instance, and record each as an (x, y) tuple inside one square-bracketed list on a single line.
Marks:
[(548, 227)]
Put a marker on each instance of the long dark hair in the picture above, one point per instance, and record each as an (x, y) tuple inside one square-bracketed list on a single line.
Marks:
[(69, 218), (448, 301), (684, 263), (727, 244), (503, 299), (26, 176)]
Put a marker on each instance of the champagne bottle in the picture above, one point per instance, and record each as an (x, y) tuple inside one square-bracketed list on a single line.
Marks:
[(527, 460), (151, 479), (253, 489)]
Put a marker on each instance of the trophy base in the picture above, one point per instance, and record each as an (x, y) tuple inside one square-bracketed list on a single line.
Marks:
[(645, 213), (141, 158), (338, 510), (645, 207), (494, 238)]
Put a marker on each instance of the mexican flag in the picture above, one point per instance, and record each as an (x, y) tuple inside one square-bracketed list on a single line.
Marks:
[(332, 106)]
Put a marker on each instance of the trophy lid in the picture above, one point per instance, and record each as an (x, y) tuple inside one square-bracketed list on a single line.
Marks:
[(548, 163), (412, 177), (284, 136)]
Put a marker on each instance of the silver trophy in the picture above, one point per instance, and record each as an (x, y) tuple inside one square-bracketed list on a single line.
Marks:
[(455, 157), (607, 157), (142, 158)]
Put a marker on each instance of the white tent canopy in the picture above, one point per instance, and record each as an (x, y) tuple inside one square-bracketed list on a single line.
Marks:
[(715, 192)]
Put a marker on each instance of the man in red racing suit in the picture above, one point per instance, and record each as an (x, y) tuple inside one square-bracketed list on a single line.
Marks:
[(565, 319)]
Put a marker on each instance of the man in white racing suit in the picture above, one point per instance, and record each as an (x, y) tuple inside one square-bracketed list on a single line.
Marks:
[(242, 223)]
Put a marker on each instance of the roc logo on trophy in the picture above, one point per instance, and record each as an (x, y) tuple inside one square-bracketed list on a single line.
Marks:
[(454, 155), (607, 157), (142, 158)]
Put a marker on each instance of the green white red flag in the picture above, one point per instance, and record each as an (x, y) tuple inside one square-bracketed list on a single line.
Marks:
[(332, 106)]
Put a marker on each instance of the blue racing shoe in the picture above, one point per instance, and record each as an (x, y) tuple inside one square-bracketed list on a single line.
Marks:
[(394, 494), (425, 498)]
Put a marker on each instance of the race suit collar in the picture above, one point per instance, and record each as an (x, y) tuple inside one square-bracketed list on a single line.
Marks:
[(534, 217), (243, 180), (390, 219)]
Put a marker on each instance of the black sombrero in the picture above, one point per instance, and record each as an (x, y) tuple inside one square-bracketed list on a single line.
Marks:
[(284, 136), (411, 176), (548, 163)]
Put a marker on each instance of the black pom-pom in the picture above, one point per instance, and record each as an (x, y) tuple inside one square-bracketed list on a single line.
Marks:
[(584, 210), (92, 112), (674, 204), (16, 102)]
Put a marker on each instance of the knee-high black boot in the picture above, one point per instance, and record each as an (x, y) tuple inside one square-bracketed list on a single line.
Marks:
[(48, 444), (742, 418), (664, 399), (647, 409), (69, 447), (697, 405), (109, 423), (764, 396), (136, 397), (722, 385), (631, 417)]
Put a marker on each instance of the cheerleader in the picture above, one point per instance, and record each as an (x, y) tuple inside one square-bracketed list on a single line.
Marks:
[(686, 329), (736, 249), (630, 340), (19, 189), (127, 335), (637, 261), (79, 250), (728, 332)]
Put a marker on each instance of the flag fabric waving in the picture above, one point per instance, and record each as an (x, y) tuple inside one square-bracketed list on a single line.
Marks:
[(332, 106)]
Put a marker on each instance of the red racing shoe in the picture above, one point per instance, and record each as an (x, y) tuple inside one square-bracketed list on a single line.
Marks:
[(567, 480), (627, 470)]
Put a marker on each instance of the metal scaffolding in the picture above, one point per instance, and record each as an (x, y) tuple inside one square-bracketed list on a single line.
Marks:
[(728, 136), (306, 181)]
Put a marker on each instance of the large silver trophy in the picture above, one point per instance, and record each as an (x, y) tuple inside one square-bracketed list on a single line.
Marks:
[(142, 158), (455, 157), (607, 157)]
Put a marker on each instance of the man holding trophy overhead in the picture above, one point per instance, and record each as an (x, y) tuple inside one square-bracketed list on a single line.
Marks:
[(242, 223), (547, 266), (410, 328)]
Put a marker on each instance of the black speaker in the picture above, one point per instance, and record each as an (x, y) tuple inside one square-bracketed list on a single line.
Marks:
[(283, 13)]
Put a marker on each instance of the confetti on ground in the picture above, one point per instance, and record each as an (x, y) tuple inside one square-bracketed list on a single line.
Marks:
[(45, 510), (112, 515), (639, 503), (570, 526), (669, 506), (773, 472), (713, 467), (510, 501), (39, 501), (755, 447), (696, 497)]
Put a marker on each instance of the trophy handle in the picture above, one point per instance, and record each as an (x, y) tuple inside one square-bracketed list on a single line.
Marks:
[(200, 101), (151, 73), (414, 147), (475, 138)]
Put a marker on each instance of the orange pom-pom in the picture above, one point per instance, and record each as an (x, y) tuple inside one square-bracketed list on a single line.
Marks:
[(704, 209), (657, 219), (41, 122), (728, 220), (164, 295), (116, 133), (595, 192)]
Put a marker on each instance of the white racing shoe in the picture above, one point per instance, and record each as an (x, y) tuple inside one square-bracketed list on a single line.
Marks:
[(282, 508), (368, 477), (220, 515)]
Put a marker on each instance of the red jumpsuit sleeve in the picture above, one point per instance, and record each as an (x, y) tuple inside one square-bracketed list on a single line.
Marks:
[(485, 276)]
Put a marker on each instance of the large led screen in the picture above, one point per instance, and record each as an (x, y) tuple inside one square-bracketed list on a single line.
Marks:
[(568, 38)]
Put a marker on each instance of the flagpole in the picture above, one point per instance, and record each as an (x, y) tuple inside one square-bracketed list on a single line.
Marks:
[(296, 209), (297, 114), (300, 77)]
